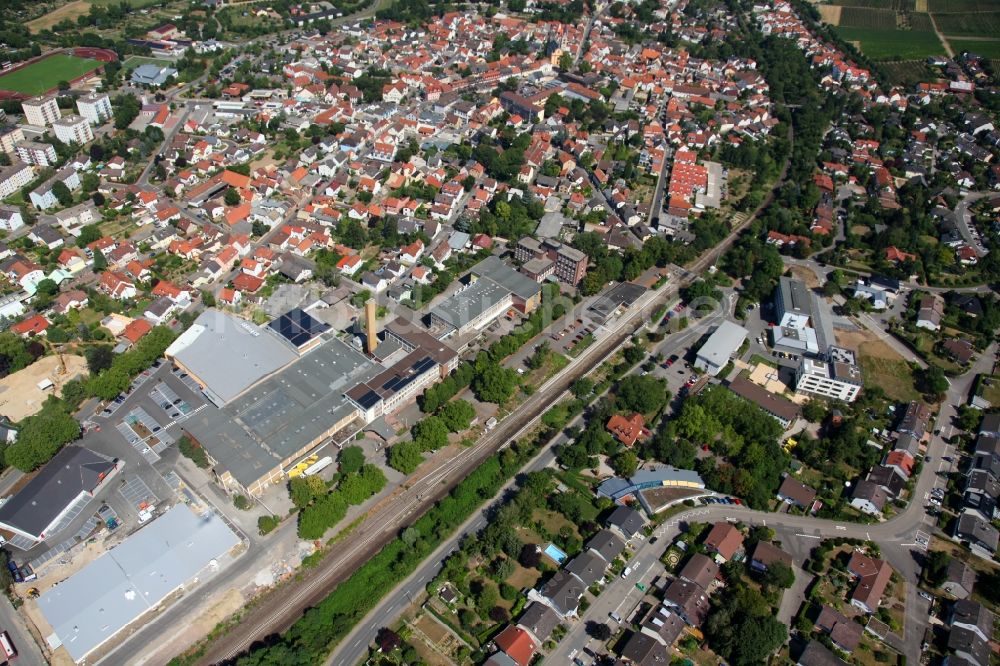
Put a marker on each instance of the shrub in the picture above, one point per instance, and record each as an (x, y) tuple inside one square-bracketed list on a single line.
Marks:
[(267, 524), (193, 452)]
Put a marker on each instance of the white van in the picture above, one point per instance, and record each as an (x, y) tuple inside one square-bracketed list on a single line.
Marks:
[(626, 572)]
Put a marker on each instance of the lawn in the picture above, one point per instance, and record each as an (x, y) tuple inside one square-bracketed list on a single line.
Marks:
[(884, 368), (889, 44), (985, 48), (134, 61), (988, 387), (46, 74)]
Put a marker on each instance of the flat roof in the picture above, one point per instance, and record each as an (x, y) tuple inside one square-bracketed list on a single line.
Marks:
[(228, 354), (622, 294), (72, 471), (795, 296), (298, 327), (104, 597), (471, 302), (723, 342), (279, 416), (516, 283), (777, 406)]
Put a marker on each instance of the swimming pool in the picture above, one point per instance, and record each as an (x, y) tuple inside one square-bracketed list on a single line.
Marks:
[(555, 553)]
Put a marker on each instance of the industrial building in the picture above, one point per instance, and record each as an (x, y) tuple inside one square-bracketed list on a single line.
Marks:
[(493, 288), (283, 390), (90, 607), (839, 378), (718, 350), (57, 494)]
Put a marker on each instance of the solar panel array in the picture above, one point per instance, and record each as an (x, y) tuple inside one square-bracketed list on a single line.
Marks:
[(298, 327)]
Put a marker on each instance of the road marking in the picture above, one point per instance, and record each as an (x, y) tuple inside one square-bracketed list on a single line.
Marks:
[(841, 527), (809, 536)]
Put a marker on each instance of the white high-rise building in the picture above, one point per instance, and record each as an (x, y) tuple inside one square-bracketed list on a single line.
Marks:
[(95, 107), (41, 111), (73, 129)]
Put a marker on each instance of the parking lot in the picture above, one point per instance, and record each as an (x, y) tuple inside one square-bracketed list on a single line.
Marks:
[(139, 427)]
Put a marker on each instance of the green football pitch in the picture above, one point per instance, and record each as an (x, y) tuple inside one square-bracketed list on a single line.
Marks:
[(46, 74)]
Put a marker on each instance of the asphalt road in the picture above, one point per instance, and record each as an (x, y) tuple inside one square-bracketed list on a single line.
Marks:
[(28, 653)]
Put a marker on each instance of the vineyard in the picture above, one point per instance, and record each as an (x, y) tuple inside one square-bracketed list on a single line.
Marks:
[(972, 24), (863, 17)]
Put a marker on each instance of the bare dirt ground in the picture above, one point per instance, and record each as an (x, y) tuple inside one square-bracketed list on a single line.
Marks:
[(806, 275), (69, 11), (19, 392), (830, 14)]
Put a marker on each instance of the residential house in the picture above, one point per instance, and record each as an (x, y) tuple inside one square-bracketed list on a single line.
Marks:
[(626, 521), (872, 577), (796, 493), (725, 540), (868, 498), (844, 633), (628, 430), (766, 554)]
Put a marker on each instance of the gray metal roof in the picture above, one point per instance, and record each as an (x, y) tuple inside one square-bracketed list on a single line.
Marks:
[(466, 305), (72, 471), (517, 283), (723, 342), (228, 354), (94, 604), (284, 413)]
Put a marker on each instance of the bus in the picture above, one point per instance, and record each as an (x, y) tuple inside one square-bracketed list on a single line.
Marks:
[(7, 646)]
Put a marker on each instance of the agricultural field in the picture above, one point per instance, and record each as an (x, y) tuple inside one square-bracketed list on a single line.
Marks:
[(969, 24), (939, 6), (987, 48), (893, 44), (68, 11), (907, 73), (861, 17), (46, 74), (896, 5)]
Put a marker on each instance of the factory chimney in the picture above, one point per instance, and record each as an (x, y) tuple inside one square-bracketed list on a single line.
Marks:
[(370, 326)]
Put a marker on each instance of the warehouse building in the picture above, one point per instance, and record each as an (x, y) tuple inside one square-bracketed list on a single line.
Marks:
[(718, 350), (90, 607), (493, 288)]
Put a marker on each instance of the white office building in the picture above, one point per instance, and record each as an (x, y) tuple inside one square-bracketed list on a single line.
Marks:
[(40, 111), (73, 129), (718, 350), (95, 107), (838, 378)]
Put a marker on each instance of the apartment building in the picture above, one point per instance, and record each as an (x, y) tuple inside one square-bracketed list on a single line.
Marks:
[(10, 136), (36, 153), (14, 177), (95, 107), (838, 378), (569, 264), (41, 111), (73, 129)]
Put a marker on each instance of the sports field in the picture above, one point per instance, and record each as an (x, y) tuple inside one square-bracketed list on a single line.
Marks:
[(46, 74)]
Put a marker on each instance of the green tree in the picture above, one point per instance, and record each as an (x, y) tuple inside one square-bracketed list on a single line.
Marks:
[(643, 394), (779, 575), (88, 235), (320, 516), (566, 61), (932, 381), (41, 436), (494, 384), (100, 261), (936, 568), (99, 358), (62, 193), (430, 433), (405, 457), (625, 463), (109, 383), (14, 354), (232, 197), (193, 452), (457, 415), (351, 459), (267, 524), (304, 490)]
